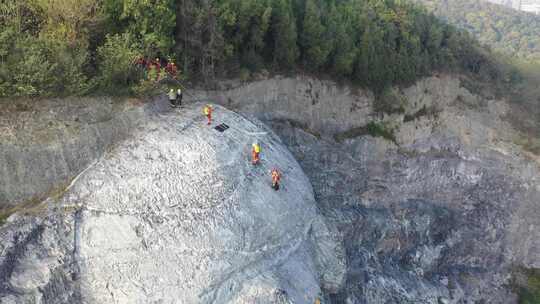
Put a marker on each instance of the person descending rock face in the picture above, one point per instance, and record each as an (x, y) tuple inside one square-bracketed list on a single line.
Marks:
[(317, 301), (179, 96), (208, 112), (255, 151), (276, 177), (172, 97)]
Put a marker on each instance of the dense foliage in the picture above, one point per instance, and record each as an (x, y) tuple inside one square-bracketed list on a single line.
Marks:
[(55, 47), (515, 37), (506, 30)]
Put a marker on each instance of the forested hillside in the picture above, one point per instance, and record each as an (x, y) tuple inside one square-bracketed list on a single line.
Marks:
[(60, 47), (505, 30), (514, 36)]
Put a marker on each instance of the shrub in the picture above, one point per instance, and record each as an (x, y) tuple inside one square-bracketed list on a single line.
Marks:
[(390, 101), (529, 143), (35, 66), (379, 130), (244, 74), (373, 128), (526, 284), (116, 64)]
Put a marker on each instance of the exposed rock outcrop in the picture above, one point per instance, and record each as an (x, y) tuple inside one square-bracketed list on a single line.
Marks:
[(442, 215), (176, 214), (45, 143)]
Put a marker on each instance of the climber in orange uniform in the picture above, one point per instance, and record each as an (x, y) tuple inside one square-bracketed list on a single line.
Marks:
[(276, 177), (208, 112), (255, 151)]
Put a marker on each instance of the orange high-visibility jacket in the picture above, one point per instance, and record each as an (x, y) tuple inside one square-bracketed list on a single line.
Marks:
[(275, 176), (254, 155)]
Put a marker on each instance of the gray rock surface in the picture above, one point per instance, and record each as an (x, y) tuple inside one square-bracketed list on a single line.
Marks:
[(44, 144), (320, 105), (176, 214), (426, 227), (441, 216)]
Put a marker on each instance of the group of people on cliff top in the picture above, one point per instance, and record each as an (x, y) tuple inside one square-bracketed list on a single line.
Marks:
[(158, 68), (255, 151)]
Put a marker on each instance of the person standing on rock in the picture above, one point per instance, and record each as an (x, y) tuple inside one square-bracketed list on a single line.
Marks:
[(208, 112), (276, 177), (255, 151), (172, 97), (179, 96)]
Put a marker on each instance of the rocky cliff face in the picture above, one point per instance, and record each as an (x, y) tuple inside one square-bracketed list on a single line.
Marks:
[(45, 143), (441, 215), (176, 214), (442, 210)]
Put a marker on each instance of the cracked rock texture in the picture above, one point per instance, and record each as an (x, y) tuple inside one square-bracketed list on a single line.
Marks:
[(442, 215), (176, 214), (45, 143)]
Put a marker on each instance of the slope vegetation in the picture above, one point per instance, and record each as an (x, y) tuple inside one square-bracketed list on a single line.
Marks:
[(507, 31), (74, 47), (515, 36)]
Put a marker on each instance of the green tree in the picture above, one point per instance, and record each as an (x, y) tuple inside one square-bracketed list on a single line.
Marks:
[(285, 51), (115, 62), (53, 47), (151, 22), (315, 44), (341, 27), (39, 67)]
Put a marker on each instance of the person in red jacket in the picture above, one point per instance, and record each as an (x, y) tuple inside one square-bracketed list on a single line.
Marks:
[(149, 63), (276, 177), (157, 63), (171, 69), (174, 70)]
